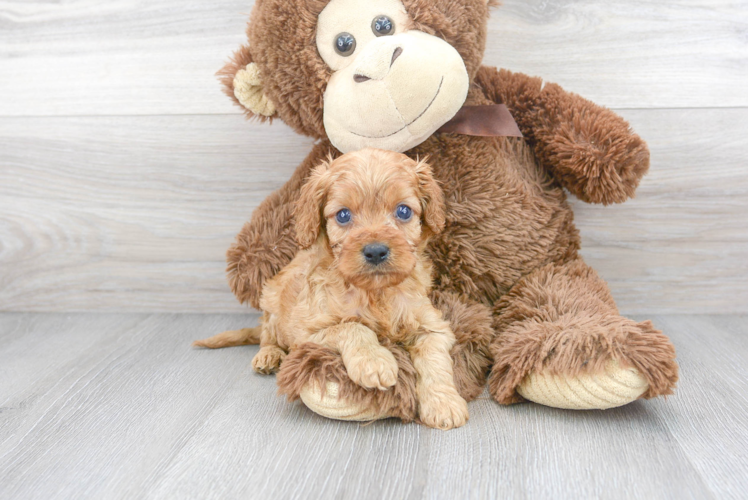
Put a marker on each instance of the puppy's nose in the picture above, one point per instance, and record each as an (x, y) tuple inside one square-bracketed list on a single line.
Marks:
[(376, 253)]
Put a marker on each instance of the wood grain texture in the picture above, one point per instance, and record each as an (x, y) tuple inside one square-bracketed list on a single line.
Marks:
[(134, 412), (129, 57), (130, 213), (629, 53), (136, 213), (130, 398), (712, 354), (682, 244)]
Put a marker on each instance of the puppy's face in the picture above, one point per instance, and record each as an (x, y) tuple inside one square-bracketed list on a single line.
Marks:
[(376, 209)]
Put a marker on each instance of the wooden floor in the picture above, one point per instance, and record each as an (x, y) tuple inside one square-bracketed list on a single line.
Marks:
[(120, 406)]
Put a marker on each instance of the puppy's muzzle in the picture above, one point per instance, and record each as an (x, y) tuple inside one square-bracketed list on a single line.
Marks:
[(376, 253)]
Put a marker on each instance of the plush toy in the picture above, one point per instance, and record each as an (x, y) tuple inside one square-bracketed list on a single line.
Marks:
[(406, 75)]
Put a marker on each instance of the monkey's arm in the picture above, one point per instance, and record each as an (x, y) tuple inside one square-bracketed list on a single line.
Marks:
[(589, 149), (267, 242)]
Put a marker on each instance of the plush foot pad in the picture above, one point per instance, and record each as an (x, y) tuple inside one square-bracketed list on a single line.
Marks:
[(614, 387), (331, 406)]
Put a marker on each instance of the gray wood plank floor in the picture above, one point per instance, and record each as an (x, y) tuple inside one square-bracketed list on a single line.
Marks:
[(119, 406)]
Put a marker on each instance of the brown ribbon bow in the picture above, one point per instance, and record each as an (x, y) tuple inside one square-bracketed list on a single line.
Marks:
[(493, 120)]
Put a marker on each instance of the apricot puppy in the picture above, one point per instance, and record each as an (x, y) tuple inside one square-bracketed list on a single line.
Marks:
[(362, 223)]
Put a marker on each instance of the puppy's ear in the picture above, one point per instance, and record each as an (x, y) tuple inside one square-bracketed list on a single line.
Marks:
[(308, 212), (243, 82), (432, 198)]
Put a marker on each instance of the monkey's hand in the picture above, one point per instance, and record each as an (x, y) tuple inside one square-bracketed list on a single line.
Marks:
[(589, 149), (261, 249), (267, 243)]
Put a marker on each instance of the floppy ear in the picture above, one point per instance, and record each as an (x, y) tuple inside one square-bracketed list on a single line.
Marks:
[(308, 211), (242, 82), (432, 198)]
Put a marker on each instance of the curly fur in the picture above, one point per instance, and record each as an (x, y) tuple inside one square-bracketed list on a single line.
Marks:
[(333, 295)]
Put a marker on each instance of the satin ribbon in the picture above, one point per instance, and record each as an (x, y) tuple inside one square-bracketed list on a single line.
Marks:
[(493, 120)]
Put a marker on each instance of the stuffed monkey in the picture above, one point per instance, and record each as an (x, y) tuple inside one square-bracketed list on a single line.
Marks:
[(406, 75)]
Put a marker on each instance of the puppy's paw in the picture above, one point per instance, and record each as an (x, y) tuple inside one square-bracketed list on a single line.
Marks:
[(268, 360), (372, 368), (443, 411)]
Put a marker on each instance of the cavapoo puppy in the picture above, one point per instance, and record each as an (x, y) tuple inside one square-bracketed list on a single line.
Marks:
[(362, 222)]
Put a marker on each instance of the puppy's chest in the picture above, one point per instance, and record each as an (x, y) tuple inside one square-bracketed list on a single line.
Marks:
[(389, 317)]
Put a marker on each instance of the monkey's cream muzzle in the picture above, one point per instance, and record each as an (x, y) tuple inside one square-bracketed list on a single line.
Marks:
[(396, 93)]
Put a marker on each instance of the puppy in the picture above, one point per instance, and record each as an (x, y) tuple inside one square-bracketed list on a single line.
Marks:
[(362, 223)]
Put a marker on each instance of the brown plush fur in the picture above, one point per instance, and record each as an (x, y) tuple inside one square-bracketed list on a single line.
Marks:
[(238, 61), (312, 363), (590, 150), (562, 318), (281, 36), (508, 226)]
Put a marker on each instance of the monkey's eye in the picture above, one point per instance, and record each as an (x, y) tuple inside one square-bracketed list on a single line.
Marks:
[(345, 44), (343, 217), (382, 26), (404, 213)]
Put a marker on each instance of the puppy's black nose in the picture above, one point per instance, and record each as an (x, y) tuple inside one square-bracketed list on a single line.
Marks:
[(376, 253)]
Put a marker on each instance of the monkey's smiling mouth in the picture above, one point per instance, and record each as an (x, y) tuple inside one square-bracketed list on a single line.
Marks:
[(407, 124)]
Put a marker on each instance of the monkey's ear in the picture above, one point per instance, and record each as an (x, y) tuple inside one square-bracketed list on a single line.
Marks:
[(432, 198), (308, 212), (242, 82)]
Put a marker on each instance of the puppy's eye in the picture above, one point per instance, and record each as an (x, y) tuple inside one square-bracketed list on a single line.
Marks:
[(345, 44), (382, 26), (343, 217), (404, 213)]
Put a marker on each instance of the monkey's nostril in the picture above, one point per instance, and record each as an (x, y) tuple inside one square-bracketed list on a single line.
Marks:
[(376, 253), (360, 78), (398, 52)]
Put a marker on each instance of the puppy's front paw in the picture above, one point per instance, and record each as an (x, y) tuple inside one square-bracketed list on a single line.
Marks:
[(372, 368), (443, 412), (268, 360)]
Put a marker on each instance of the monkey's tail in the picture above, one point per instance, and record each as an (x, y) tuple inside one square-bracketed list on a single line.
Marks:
[(245, 336)]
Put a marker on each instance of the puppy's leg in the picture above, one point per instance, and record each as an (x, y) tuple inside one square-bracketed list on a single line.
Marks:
[(270, 356), (368, 363), (439, 403)]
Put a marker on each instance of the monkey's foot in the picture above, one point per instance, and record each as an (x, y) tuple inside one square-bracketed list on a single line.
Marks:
[(331, 406), (615, 386)]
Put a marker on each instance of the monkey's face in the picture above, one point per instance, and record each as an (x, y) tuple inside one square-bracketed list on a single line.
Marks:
[(391, 86), (377, 73)]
